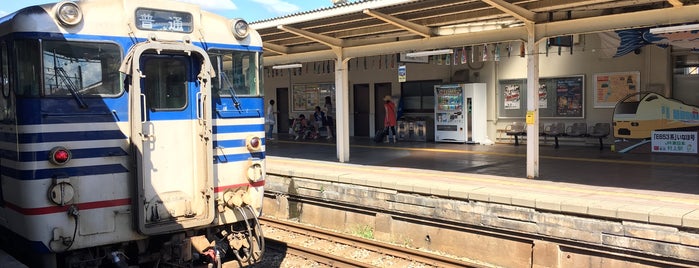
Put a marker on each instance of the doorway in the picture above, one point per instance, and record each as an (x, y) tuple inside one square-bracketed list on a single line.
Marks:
[(283, 110), (361, 110)]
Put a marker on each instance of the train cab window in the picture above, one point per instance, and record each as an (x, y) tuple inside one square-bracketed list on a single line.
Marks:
[(82, 67), (238, 72), (165, 84)]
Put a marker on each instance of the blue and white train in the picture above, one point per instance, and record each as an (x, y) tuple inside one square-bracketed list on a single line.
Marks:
[(131, 133)]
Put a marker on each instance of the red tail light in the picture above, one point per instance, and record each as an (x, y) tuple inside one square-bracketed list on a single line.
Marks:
[(59, 155), (254, 143)]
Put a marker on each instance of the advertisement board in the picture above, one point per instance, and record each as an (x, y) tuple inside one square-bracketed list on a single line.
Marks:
[(674, 142)]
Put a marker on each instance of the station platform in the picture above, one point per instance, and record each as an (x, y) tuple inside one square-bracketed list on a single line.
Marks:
[(644, 205), (665, 174)]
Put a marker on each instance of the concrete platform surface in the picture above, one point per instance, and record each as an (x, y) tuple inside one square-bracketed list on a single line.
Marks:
[(651, 188)]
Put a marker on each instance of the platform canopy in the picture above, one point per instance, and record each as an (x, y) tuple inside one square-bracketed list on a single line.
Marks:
[(379, 27), (383, 27)]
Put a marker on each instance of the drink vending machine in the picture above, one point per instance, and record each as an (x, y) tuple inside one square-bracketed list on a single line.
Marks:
[(460, 113)]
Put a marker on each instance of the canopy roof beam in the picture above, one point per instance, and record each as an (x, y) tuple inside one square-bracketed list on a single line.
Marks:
[(283, 50), (676, 3), (323, 39), (415, 28), (514, 10)]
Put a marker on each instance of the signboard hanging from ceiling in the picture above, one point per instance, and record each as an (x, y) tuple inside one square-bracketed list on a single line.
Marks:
[(402, 74)]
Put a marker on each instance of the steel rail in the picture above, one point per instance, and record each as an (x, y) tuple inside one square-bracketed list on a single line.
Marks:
[(371, 245), (315, 255), (602, 250)]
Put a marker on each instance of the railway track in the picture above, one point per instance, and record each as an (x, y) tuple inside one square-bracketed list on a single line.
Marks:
[(341, 250)]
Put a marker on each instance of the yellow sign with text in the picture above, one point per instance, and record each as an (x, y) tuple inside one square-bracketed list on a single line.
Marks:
[(530, 117)]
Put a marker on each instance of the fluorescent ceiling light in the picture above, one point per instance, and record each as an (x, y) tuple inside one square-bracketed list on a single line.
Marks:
[(287, 66), (429, 53), (674, 29)]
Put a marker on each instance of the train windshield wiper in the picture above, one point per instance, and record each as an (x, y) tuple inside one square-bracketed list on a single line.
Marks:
[(63, 76), (231, 90), (61, 73)]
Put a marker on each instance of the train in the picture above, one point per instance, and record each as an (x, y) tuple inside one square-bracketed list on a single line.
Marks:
[(637, 115), (132, 135)]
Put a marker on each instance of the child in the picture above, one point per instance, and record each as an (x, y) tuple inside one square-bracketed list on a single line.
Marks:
[(300, 127)]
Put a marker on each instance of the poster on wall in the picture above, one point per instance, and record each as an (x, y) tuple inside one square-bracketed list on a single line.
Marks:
[(512, 96), (543, 97), (559, 97), (569, 97), (612, 87)]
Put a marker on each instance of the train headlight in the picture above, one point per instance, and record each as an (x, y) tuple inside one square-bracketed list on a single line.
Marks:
[(254, 143), (240, 28), (69, 13), (59, 155)]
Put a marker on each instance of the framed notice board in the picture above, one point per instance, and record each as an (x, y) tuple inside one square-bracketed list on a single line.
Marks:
[(305, 97), (559, 97), (612, 87)]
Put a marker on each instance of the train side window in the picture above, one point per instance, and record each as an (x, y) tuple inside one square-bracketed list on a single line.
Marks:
[(86, 68), (28, 67)]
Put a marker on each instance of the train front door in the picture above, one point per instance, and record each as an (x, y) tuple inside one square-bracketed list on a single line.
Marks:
[(171, 136)]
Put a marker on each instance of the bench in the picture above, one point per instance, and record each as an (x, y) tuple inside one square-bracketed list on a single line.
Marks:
[(516, 129), (559, 129), (600, 131), (555, 130)]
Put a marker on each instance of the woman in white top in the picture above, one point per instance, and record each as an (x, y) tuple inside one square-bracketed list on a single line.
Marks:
[(270, 119), (328, 107)]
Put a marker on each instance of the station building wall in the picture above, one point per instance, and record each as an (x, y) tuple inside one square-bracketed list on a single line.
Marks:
[(588, 58)]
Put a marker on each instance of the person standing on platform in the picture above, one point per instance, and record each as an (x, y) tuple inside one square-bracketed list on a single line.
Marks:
[(270, 120), (328, 107), (389, 121), (318, 121)]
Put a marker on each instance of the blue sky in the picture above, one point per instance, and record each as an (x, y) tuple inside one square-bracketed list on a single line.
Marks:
[(250, 10)]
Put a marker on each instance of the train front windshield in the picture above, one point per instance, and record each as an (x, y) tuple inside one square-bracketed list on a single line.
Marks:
[(69, 68), (236, 73)]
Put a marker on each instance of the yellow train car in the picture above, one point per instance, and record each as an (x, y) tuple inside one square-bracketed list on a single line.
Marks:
[(637, 115)]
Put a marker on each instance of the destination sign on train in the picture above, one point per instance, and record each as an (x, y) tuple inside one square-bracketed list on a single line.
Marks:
[(161, 20)]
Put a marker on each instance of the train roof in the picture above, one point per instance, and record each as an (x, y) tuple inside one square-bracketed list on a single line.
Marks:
[(102, 18)]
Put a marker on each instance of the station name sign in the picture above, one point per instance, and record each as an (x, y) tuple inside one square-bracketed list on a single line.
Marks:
[(163, 20), (674, 142)]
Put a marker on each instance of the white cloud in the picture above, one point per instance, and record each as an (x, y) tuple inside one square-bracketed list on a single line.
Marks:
[(3, 13), (213, 4), (278, 7)]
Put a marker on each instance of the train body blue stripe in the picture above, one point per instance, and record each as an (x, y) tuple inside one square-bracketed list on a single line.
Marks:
[(41, 174), (71, 136)]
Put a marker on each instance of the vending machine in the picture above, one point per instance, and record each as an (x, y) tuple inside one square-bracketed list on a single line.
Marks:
[(460, 113)]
